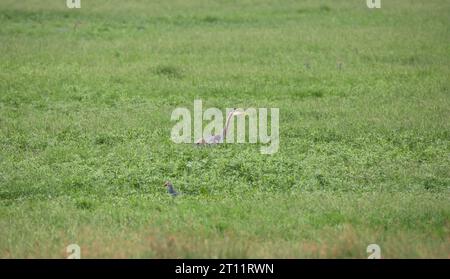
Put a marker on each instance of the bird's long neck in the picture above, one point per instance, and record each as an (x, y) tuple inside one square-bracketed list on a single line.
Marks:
[(227, 124)]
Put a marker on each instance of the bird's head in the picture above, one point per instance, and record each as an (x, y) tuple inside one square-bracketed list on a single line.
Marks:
[(238, 111), (167, 183)]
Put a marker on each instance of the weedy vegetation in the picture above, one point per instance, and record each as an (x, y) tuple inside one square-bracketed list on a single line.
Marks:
[(85, 102)]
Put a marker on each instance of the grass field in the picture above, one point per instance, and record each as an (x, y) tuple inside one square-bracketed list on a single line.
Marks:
[(85, 102)]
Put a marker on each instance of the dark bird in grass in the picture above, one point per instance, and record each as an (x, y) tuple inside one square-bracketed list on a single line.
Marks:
[(170, 189)]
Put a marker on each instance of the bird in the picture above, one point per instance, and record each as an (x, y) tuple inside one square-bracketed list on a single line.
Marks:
[(170, 189), (219, 138)]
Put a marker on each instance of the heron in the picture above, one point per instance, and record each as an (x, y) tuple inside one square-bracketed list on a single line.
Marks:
[(219, 138)]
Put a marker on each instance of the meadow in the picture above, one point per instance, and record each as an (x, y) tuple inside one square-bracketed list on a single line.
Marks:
[(86, 97)]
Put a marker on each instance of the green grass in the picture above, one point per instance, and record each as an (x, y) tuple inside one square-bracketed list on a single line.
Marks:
[(85, 102)]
